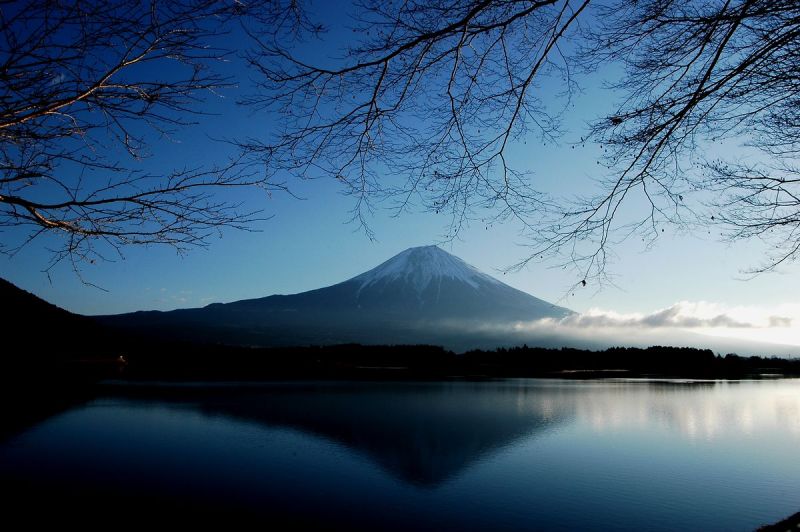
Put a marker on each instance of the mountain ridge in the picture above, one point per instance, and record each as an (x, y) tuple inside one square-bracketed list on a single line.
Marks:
[(420, 279), (405, 299)]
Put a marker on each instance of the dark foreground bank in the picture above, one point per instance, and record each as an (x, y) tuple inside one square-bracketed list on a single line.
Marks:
[(787, 525)]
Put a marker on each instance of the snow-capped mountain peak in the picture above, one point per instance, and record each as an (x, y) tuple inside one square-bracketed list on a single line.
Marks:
[(420, 266), (422, 295)]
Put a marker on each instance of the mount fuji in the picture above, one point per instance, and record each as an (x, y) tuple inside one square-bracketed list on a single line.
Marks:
[(421, 295)]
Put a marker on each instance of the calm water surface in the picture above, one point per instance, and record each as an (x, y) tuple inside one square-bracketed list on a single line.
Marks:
[(515, 454)]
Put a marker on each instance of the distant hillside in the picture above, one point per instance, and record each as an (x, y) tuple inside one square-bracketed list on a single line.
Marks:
[(34, 328)]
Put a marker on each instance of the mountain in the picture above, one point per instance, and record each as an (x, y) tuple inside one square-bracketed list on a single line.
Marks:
[(34, 326), (422, 295), (430, 283)]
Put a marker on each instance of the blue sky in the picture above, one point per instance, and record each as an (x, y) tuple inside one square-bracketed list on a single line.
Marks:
[(308, 243)]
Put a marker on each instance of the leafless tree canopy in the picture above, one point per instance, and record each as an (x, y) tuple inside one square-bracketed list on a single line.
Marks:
[(699, 73), (423, 105), (432, 92), (86, 89), (420, 110)]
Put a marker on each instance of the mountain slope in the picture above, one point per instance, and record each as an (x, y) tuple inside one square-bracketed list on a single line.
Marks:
[(32, 325), (423, 283), (416, 296)]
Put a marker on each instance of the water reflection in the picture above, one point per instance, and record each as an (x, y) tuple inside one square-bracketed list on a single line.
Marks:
[(518, 454), (426, 433), (422, 433), (696, 410)]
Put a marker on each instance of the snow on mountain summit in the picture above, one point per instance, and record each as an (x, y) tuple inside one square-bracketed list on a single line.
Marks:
[(420, 266), (423, 295)]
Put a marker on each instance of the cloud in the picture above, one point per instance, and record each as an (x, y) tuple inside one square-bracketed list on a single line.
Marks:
[(170, 298), (780, 321), (690, 315), (691, 323), (678, 315)]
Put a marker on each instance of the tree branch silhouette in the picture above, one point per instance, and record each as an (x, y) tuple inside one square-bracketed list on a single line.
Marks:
[(86, 90), (421, 109)]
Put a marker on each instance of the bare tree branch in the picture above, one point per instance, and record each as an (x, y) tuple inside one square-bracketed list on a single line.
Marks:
[(422, 110), (423, 105), (86, 88)]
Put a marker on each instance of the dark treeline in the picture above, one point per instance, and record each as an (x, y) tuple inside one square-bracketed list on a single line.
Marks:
[(633, 361), (185, 361), (215, 362)]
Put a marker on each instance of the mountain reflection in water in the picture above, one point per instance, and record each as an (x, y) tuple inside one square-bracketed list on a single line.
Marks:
[(425, 433), (421, 433), (509, 454)]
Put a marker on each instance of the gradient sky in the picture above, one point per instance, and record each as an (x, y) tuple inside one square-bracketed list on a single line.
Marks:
[(308, 243)]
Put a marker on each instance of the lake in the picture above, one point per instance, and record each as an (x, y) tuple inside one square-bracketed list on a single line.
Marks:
[(508, 454)]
